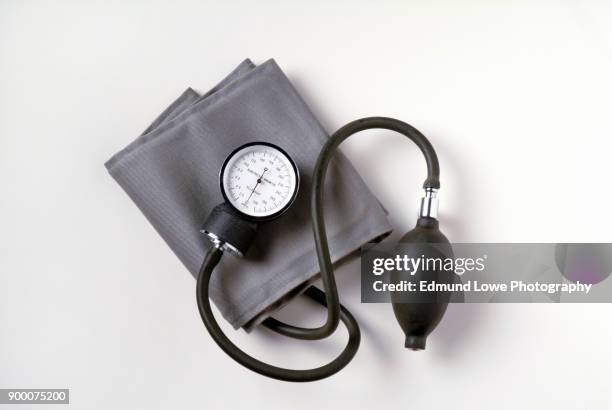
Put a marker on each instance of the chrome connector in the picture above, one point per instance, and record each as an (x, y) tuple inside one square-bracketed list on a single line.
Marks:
[(221, 244), (429, 204)]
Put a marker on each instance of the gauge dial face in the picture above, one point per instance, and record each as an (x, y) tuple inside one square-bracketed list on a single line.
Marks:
[(259, 180)]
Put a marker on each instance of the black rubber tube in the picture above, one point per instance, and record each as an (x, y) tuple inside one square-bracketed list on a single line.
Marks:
[(318, 218), (335, 311), (210, 261)]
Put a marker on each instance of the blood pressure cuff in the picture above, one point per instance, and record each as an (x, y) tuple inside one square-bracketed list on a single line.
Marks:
[(171, 172)]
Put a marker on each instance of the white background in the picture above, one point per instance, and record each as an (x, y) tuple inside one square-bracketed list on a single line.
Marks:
[(514, 95)]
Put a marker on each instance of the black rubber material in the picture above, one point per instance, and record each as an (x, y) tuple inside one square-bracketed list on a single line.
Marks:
[(329, 298), (420, 317), (318, 219), (210, 261)]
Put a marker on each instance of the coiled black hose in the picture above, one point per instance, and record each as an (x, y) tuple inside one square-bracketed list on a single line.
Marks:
[(335, 311)]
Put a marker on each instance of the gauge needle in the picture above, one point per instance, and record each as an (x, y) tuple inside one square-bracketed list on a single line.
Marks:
[(258, 182)]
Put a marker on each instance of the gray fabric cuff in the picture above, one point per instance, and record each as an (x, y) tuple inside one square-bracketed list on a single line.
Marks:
[(171, 173)]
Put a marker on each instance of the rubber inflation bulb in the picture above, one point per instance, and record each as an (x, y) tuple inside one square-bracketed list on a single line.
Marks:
[(418, 313)]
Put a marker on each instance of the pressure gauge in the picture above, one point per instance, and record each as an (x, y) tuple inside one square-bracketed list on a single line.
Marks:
[(259, 180)]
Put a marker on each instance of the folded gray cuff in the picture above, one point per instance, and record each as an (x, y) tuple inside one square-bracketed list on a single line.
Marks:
[(171, 173)]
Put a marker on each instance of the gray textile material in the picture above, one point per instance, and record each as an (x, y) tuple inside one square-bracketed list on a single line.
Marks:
[(171, 172)]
